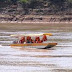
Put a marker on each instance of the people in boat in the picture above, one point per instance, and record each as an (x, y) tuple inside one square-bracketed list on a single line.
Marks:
[(22, 40), (29, 40), (44, 38), (37, 40)]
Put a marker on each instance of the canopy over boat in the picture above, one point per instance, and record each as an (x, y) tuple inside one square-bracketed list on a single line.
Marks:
[(40, 34)]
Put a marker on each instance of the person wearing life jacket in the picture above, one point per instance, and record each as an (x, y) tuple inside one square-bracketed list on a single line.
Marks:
[(37, 40), (29, 40), (22, 40), (44, 38)]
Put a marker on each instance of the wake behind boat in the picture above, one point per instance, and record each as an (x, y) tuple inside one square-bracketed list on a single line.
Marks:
[(26, 41)]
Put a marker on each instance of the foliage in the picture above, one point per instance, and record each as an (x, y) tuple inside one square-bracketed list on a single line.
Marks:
[(34, 4), (70, 1), (24, 1)]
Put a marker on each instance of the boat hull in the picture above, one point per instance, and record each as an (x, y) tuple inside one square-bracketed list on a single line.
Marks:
[(36, 45)]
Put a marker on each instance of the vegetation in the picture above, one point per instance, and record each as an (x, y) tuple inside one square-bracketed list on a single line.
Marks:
[(31, 3), (54, 5)]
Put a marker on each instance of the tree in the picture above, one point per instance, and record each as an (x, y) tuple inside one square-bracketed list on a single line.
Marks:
[(57, 4)]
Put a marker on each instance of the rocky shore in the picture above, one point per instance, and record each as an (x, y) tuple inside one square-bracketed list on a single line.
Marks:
[(35, 18)]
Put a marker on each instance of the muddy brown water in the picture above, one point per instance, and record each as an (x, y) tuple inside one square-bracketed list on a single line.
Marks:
[(56, 59)]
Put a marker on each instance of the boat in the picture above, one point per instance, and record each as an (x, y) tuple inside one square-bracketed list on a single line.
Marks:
[(36, 45), (42, 45)]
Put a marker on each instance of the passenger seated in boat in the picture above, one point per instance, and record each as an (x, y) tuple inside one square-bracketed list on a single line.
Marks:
[(44, 38), (28, 40), (37, 40), (22, 40)]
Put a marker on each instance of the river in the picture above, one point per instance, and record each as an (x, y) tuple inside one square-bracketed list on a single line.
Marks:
[(56, 59)]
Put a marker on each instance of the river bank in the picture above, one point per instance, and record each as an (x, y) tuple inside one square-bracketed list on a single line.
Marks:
[(6, 18)]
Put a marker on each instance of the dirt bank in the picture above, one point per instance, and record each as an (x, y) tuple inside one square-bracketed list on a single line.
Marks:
[(35, 18)]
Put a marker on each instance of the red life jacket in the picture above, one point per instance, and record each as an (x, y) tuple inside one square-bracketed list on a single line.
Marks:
[(22, 40), (44, 38), (37, 40), (29, 40)]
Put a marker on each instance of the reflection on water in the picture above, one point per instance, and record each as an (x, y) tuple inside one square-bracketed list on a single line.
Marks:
[(19, 59)]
